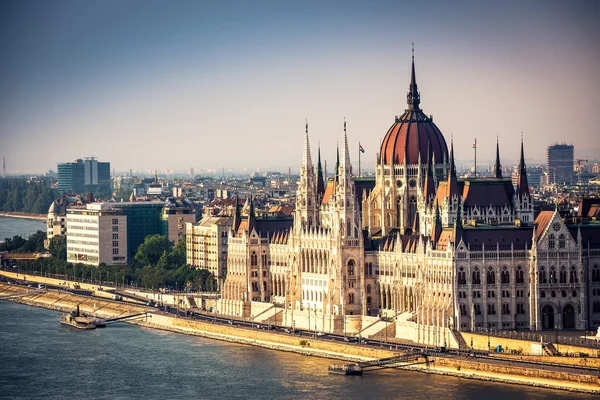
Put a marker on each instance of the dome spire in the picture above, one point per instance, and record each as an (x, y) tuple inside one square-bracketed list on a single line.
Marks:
[(413, 98)]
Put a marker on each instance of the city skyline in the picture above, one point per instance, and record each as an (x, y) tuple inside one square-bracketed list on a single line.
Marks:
[(147, 86)]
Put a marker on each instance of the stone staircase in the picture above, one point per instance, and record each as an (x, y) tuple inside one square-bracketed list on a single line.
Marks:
[(462, 344), (376, 330)]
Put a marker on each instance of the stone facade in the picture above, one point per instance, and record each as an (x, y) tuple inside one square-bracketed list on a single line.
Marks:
[(420, 248)]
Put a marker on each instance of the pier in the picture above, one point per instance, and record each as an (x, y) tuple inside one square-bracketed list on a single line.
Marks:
[(400, 361)]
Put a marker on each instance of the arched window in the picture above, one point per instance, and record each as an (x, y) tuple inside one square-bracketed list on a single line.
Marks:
[(561, 241), (520, 278), (505, 277), (595, 274), (368, 288), (476, 278), (368, 300), (542, 275), (491, 277), (573, 278), (351, 298), (563, 275), (551, 241), (351, 268), (253, 259), (348, 228)]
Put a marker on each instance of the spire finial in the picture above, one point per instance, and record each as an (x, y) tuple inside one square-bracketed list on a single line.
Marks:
[(413, 98), (306, 122), (344, 125)]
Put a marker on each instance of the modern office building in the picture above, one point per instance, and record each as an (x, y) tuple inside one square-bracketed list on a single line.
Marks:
[(82, 176), (96, 234), (177, 212), (561, 158), (71, 177)]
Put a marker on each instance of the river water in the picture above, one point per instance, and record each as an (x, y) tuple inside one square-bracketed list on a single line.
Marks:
[(10, 227), (39, 358)]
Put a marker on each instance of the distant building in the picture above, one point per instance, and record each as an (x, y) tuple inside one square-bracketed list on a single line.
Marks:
[(71, 177), (96, 234), (560, 163), (142, 219), (82, 176), (206, 244)]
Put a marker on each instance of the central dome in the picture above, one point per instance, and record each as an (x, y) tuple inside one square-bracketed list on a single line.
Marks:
[(412, 133)]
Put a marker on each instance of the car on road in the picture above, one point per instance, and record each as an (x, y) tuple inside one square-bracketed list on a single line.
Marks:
[(350, 339), (320, 334)]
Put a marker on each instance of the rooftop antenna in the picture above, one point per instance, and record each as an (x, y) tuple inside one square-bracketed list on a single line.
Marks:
[(3, 167)]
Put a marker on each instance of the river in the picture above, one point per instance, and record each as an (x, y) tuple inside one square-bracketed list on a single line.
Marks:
[(39, 358), (10, 227)]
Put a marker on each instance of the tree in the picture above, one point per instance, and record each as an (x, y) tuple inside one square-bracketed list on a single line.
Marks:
[(179, 255), (151, 250), (58, 247)]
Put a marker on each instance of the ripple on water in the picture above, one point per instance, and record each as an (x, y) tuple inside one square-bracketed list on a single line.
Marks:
[(41, 359)]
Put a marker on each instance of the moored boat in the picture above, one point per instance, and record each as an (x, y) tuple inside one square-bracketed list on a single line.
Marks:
[(349, 369)]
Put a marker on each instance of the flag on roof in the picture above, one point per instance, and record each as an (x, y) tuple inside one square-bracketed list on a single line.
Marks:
[(362, 150)]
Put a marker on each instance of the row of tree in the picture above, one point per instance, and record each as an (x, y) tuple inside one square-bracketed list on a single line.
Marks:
[(157, 264), (20, 194)]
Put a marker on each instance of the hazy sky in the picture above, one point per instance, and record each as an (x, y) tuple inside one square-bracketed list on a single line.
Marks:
[(211, 84)]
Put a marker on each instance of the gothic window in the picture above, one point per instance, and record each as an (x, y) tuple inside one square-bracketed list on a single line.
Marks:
[(520, 278), (351, 268), (477, 309), (505, 308), (463, 309), (253, 259), (348, 228), (551, 241), (542, 275), (351, 298), (368, 300), (573, 278), (491, 277), (595, 274), (265, 286), (412, 210), (476, 279), (491, 309), (462, 277), (368, 288), (561, 241), (563, 275), (551, 276), (505, 276)]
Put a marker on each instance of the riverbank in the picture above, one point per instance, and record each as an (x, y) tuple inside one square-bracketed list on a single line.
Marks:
[(18, 214), (463, 368)]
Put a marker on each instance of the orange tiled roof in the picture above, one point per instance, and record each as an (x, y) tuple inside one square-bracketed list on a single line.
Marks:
[(542, 221)]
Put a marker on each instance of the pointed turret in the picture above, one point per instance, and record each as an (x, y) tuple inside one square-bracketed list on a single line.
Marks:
[(497, 166), (415, 227), (251, 216), (337, 162), (237, 218), (452, 182), (413, 98), (429, 186), (306, 158), (458, 226), (436, 230), (347, 167), (320, 180), (522, 185)]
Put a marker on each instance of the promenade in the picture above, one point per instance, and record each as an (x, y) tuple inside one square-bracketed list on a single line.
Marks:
[(206, 325)]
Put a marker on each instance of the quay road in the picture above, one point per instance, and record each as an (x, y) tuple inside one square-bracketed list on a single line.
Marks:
[(404, 348)]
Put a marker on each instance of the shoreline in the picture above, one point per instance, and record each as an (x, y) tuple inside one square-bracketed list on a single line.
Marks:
[(65, 302), (22, 215)]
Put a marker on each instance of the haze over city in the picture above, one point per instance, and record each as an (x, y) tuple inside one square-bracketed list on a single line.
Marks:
[(154, 85)]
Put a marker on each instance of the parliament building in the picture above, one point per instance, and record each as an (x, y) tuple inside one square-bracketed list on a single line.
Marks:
[(416, 253)]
